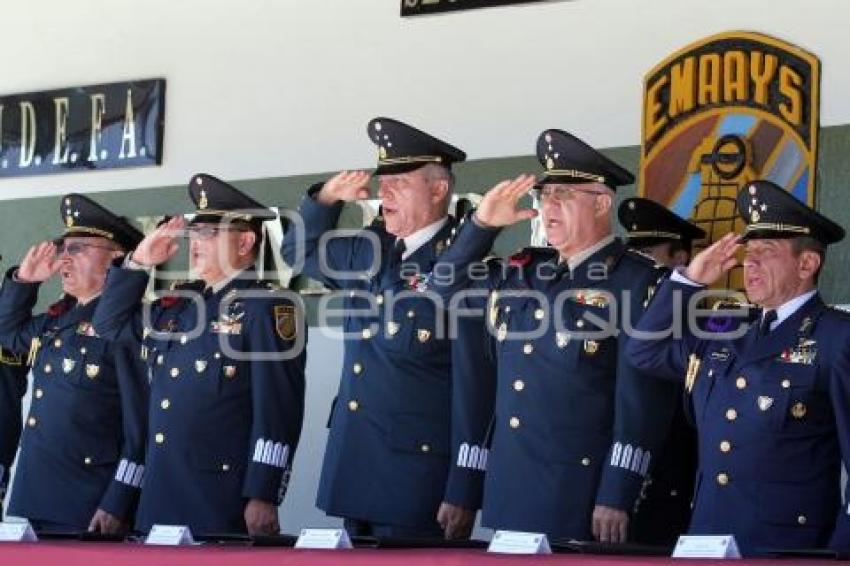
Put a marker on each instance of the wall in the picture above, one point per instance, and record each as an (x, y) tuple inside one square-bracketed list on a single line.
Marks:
[(271, 88)]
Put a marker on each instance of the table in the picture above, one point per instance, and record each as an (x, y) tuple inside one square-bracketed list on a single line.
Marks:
[(51, 553)]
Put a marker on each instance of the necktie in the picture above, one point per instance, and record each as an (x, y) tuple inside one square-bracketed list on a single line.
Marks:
[(766, 321), (397, 252)]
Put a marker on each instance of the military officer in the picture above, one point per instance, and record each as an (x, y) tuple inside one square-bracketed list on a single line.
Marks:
[(770, 400), (82, 450), (13, 386), (387, 463), (473, 395), (226, 369), (576, 427), (664, 509)]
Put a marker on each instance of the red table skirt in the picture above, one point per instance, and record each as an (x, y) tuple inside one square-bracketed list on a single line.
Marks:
[(114, 554)]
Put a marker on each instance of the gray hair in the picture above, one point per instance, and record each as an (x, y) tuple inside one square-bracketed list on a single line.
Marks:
[(435, 172)]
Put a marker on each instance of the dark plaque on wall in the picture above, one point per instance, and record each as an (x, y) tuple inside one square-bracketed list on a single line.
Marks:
[(421, 7), (104, 126)]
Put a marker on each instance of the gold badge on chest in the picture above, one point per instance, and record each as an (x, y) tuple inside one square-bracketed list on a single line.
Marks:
[(92, 370), (591, 347)]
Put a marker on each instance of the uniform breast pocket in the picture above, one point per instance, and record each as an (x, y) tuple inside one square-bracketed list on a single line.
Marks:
[(594, 331), (414, 329), (519, 323), (218, 374), (801, 401), (93, 368)]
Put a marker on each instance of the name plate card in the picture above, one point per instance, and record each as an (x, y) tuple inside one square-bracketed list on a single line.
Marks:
[(170, 535), (516, 542), (324, 539), (706, 546), (17, 532)]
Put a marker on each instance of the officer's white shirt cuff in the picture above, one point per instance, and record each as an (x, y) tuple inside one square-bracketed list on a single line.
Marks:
[(130, 264), (679, 277)]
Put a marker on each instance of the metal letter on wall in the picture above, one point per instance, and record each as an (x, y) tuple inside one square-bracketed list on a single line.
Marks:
[(724, 111), (79, 129)]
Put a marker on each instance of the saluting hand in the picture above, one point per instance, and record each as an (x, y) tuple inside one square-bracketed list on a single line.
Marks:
[(345, 186), (39, 263), (714, 261), (500, 205), (160, 245)]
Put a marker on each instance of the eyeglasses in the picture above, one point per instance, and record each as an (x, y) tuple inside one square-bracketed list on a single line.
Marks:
[(209, 232), (562, 193), (75, 248)]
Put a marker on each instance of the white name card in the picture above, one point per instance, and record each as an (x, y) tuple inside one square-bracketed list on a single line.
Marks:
[(515, 542), (170, 535), (17, 532), (706, 546), (323, 539)]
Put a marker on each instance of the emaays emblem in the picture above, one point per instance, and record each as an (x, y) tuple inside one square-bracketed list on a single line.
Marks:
[(284, 321), (722, 112)]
